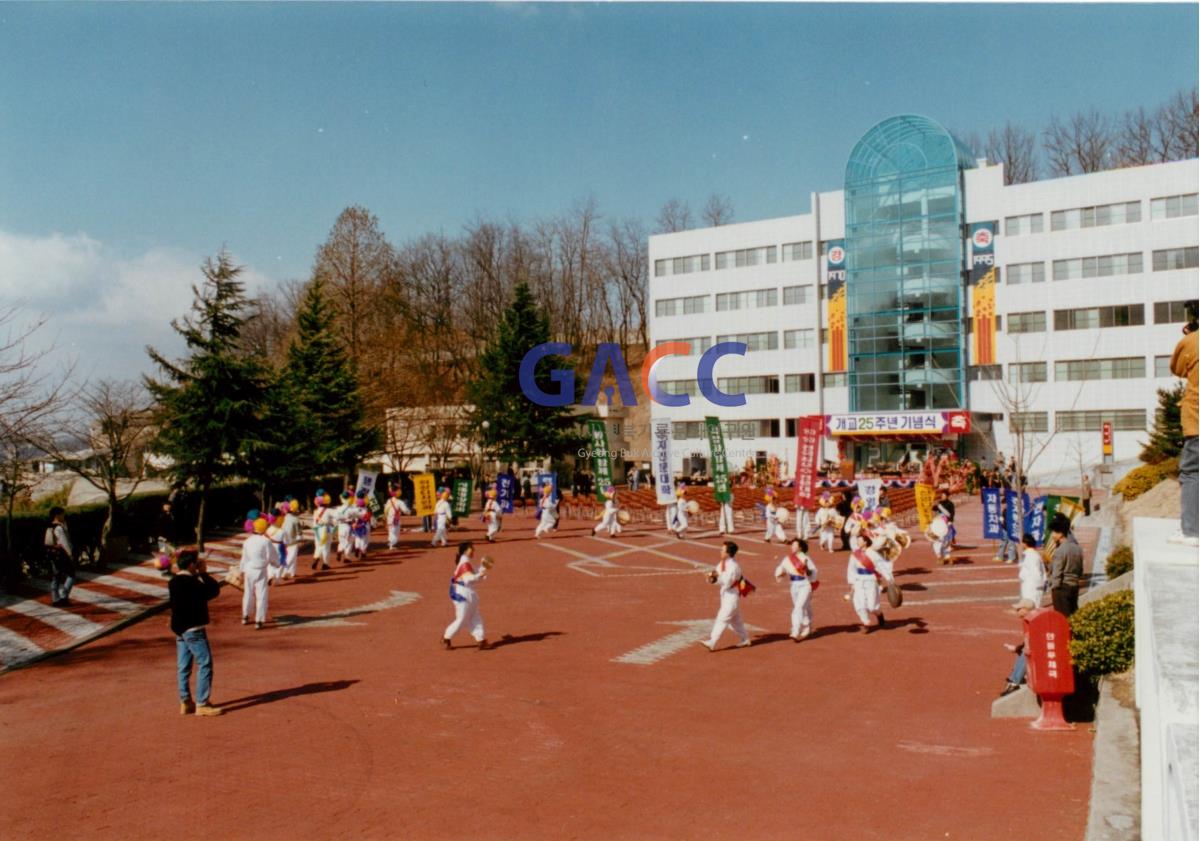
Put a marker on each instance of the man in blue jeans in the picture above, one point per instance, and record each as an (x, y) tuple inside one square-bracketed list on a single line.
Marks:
[(190, 592), (1184, 364)]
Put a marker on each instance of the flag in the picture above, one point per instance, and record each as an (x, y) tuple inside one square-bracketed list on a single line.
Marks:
[(424, 494), (720, 469), (460, 497), (992, 514)]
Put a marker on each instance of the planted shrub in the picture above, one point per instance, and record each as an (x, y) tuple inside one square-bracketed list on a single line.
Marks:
[(1142, 479), (1102, 635), (1119, 562)]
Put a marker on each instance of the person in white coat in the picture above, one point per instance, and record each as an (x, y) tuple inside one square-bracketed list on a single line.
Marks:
[(547, 512), (727, 575), (291, 534), (771, 515), (465, 599), (1032, 575), (827, 522), (677, 513), (344, 515), (493, 513), (259, 556), (940, 535), (324, 528), (392, 510), (609, 519), (360, 527), (864, 579), (801, 572), (725, 518), (441, 518), (803, 522)]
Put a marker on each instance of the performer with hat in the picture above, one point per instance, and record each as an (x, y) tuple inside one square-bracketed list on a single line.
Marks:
[(360, 526), (259, 556), (465, 599), (727, 575), (324, 527), (725, 518), (609, 519), (864, 577), (677, 513), (827, 522), (802, 573), (441, 518), (493, 513), (291, 536), (392, 509), (547, 512), (940, 534), (344, 515), (771, 515)]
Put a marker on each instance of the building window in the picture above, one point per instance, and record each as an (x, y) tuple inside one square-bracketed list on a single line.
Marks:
[(1172, 207), (1123, 368), (747, 299), (790, 428), (795, 339), (1018, 225), (1106, 266), (983, 372), (1123, 420), (1026, 322), (797, 251), (681, 306), (1029, 422), (681, 265), (1126, 315), (796, 294), (1017, 273), (687, 387), (753, 341), (1170, 259), (746, 257), (833, 380), (1162, 367), (765, 428), (749, 385), (1097, 216), (699, 345), (1027, 372), (686, 430), (1169, 312), (793, 383)]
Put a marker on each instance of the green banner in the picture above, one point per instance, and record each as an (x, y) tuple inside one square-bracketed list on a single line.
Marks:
[(601, 464), (460, 497), (720, 468), (1069, 506)]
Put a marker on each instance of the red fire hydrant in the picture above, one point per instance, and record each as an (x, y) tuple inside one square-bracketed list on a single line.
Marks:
[(1048, 659)]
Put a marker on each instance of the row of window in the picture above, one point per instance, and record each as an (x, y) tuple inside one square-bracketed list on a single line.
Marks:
[(1166, 259), (1088, 318), (1101, 215), (1072, 370), (1122, 420), (746, 299)]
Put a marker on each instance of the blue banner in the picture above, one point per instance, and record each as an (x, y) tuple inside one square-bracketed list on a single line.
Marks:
[(1010, 514), (1035, 520), (550, 479), (506, 487), (992, 529)]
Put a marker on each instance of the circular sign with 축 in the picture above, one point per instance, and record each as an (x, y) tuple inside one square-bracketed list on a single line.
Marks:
[(982, 238), (837, 255)]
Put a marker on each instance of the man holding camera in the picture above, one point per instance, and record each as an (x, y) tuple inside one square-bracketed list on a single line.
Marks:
[(190, 592), (1183, 364)]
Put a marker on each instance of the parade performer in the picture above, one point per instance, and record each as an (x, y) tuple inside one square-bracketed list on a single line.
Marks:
[(940, 535), (771, 515), (727, 575), (494, 514), (291, 535), (324, 528), (274, 533), (465, 599), (804, 522), (360, 526), (864, 580), (827, 522), (343, 515), (259, 556), (609, 518), (677, 513), (802, 573), (547, 512), (392, 509), (725, 518), (441, 518)]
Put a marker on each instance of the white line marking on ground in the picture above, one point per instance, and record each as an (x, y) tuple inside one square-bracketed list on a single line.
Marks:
[(1009, 581), (145, 572), (398, 598), (962, 600), (80, 594), (63, 620), (15, 648), (662, 648), (943, 750), (668, 555), (158, 590)]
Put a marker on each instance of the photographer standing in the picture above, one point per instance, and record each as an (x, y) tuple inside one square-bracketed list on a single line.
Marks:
[(1183, 364), (191, 591), (1066, 567)]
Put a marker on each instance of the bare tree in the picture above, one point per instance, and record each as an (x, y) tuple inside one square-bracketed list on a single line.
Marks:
[(269, 332), (1181, 116), (627, 265), (674, 215), (718, 210), (354, 262), (1015, 149), (1085, 143)]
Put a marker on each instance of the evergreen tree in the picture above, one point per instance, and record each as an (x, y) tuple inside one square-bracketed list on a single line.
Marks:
[(321, 379), (519, 428), (208, 402), (1166, 438), (279, 453)]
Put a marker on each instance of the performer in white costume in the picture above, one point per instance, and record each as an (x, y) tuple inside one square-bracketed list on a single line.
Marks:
[(392, 510), (863, 578), (441, 518), (725, 518), (940, 535), (799, 569), (771, 515), (547, 512), (727, 575), (324, 528), (343, 515), (609, 519), (677, 513), (292, 534), (465, 599), (828, 525), (494, 514), (1032, 575), (259, 556)]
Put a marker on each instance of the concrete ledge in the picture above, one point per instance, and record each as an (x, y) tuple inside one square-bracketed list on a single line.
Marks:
[(1020, 704), (1115, 808), (1121, 582)]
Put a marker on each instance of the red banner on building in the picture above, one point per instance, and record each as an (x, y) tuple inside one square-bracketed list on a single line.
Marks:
[(809, 430), (1106, 438)]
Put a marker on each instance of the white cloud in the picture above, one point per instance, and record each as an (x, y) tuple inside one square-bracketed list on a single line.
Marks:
[(102, 308)]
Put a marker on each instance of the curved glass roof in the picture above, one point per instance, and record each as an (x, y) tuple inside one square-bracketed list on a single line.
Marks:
[(907, 143)]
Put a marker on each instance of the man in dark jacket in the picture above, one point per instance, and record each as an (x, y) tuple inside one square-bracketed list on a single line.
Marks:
[(190, 592), (1066, 567), (844, 509)]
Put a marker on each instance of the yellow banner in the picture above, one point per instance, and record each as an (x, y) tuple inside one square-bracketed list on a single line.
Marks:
[(425, 491), (925, 497), (983, 307), (838, 345)]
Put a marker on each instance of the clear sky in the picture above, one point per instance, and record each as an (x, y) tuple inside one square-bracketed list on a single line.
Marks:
[(138, 138)]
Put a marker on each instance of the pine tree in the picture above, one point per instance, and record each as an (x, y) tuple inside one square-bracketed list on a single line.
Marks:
[(208, 402), (321, 379), (1166, 438), (519, 428)]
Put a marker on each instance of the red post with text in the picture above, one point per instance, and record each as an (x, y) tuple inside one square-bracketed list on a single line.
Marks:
[(1048, 656)]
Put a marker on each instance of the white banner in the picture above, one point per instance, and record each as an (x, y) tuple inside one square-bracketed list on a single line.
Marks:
[(868, 489), (664, 488), (366, 480)]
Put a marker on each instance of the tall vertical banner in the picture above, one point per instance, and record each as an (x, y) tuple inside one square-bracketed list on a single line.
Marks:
[(993, 516), (460, 497), (1035, 520), (1106, 439), (983, 293), (809, 430), (835, 290), (924, 499), (868, 491), (664, 494), (506, 490), (720, 468), (601, 463), (550, 479), (424, 494), (366, 481)]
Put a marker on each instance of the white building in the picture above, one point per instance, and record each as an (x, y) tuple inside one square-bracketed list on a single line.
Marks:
[(1092, 273)]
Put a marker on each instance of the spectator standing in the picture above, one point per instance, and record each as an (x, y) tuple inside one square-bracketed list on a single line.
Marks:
[(1183, 364), (634, 476), (190, 592), (165, 528), (1032, 575), (1085, 495), (61, 557), (1066, 567)]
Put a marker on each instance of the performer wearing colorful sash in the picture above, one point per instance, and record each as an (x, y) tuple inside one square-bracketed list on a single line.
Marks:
[(274, 534), (863, 578), (827, 522), (609, 520), (727, 575), (494, 514), (771, 515), (802, 573), (259, 557), (547, 512), (360, 526), (441, 518), (343, 515), (677, 514), (392, 509), (324, 526), (291, 534), (465, 599)]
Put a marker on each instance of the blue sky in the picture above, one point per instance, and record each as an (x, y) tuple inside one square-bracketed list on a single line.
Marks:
[(138, 138)]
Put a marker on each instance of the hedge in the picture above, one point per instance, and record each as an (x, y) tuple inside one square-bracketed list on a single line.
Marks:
[(1119, 562), (1142, 479), (1102, 635)]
